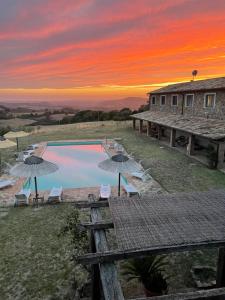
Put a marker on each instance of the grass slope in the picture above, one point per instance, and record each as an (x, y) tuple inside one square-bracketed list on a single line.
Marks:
[(34, 260)]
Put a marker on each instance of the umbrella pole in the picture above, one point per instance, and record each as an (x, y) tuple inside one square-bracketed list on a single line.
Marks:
[(0, 162), (36, 190), (17, 144), (119, 185)]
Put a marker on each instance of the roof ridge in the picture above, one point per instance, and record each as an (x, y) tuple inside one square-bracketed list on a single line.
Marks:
[(202, 84)]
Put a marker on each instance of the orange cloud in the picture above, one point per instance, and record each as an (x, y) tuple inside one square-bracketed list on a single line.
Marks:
[(90, 49)]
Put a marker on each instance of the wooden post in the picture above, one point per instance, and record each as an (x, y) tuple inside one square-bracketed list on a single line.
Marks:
[(191, 145), (148, 128), (134, 124), (159, 132), (220, 278), (141, 126), (172, 137), (220, 157), (95, 274), (215, 294), (108, 273)]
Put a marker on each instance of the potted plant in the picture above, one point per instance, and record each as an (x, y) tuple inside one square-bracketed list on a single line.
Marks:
[(212, 157), (148, 271)]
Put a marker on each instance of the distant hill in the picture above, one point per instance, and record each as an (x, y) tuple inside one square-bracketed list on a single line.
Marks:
[(131, 102), (3, 108), (106, 105)]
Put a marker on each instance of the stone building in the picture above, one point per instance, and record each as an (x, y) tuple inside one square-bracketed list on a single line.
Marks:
[(189, 116)]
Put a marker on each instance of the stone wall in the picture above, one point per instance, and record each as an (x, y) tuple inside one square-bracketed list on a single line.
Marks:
[(198, 109), (167, 107)]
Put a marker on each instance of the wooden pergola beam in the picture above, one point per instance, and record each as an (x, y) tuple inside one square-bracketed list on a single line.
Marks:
[(97, 225), (92, 204), (205, 294), (109, 256)]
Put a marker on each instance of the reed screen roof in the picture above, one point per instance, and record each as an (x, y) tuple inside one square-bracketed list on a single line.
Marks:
[(169, 219)]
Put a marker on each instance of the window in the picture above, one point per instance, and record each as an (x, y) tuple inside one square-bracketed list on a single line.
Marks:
[(174, 100), (153, 100), (210, 100), (189, 99), (162, 100)]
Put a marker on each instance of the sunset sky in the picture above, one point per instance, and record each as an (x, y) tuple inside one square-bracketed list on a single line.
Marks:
[(106, 49)]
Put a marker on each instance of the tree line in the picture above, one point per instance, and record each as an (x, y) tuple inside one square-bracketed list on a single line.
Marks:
[(99, 115)]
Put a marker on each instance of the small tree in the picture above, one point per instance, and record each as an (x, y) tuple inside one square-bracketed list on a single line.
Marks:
[(79, 237), (79, 240)]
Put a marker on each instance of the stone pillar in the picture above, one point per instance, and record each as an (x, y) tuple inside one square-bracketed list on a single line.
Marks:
[(134, 124), (148, 128), (191, 145), (141, 126), (221, 151), (173, 137)]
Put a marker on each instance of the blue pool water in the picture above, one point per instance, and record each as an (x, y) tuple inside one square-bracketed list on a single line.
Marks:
[(78, 166)]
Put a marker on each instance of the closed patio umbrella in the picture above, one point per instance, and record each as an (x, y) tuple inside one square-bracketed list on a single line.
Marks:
[(119, 163), (4, 143), (16, 134), (34, 166)]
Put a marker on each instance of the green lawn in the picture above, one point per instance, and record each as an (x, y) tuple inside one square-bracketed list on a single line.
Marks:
[(35, 261)]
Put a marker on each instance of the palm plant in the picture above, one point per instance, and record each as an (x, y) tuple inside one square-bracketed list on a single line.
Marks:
[(148, 271)]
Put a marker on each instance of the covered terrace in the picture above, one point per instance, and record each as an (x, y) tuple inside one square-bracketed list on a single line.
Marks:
[(190, 133)]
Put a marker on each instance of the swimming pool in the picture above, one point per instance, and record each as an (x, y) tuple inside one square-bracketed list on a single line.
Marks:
[(78, 166)]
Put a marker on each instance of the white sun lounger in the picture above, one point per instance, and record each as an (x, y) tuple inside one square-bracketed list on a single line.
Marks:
[(130, 189), (32, 147), (28, 152), (22, 198), (105, 191), (20, 157), (112, 145), (23, 155), (56, 194), (6, 183), (144, 176)]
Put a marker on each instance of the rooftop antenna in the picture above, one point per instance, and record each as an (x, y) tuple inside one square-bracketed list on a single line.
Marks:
[(194, 74)]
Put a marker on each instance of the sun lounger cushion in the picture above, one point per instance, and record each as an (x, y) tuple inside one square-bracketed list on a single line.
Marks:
[(32, 147), (5, 183), (22, 197), (105, 191), (55, 194), (130, 189), (142, 175)]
